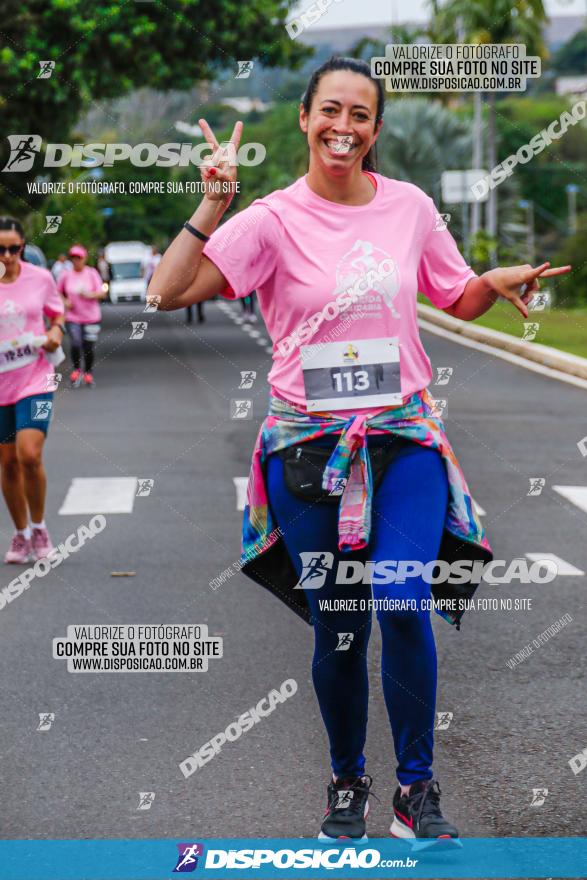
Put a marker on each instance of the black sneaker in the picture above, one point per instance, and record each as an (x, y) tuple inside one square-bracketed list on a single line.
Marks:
[(418, 815), (348, 806)]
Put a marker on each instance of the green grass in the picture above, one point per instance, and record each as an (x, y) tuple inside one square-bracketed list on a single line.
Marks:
[(565, 329)]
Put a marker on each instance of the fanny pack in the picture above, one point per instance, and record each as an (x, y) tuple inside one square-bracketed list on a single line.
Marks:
[(304, 464)]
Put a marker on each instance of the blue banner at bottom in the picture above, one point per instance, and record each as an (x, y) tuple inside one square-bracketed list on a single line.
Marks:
[(544, 857)]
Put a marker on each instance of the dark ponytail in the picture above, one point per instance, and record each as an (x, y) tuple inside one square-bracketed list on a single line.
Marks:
[(355, 65)]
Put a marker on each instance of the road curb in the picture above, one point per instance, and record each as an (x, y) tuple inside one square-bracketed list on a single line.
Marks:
[(532, 351)]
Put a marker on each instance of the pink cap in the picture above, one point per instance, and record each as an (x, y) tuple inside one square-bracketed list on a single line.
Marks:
[(78, 250)]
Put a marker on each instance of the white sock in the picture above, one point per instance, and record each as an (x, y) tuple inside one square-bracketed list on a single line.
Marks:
[(26, 533), (40, 525)]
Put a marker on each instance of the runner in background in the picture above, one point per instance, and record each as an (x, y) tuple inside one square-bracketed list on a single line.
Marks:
[(152, 262), (61, 264), (102, 266), (189, 315), (28, 295), (248, 304), (82, 291)]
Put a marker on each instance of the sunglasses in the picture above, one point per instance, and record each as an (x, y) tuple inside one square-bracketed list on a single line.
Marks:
[(12, 249)]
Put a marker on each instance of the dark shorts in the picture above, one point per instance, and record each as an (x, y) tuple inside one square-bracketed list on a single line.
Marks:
[(30, 412)]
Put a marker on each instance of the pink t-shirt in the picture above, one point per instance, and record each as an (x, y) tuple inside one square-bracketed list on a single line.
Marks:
[(300, 252), (82, 311), (23, 303)]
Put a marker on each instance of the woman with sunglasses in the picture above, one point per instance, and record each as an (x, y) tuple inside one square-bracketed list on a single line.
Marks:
[(28, 299), (82, 290), (337, 260)]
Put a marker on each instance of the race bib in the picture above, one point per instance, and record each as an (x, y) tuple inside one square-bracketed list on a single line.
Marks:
[(351, 375), (18, 352)]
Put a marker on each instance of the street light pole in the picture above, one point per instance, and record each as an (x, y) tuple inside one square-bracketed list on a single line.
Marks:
[(477, 150), (572, 190)]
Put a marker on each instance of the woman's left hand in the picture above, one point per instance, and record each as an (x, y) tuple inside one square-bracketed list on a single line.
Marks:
[(518, 284), (54, 337)]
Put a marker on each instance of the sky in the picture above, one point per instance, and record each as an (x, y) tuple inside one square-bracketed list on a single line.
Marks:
[(358, 12)]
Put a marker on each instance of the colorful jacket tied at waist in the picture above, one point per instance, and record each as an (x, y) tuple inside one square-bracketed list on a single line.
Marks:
[(264, 555)]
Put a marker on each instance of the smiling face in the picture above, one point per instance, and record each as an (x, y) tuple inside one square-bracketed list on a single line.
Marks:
[(340, 124)]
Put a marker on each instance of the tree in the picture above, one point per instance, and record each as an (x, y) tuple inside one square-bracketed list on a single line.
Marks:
[(81, 223), (569, 59), (571, 289), (491, 21), (103, 48), (419, 140)]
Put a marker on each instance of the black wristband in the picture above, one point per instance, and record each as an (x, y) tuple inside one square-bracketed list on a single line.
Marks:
[(196, 232)]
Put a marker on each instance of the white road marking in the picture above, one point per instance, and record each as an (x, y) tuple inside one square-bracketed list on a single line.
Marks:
[(241, 491), (247, 328), (100, 495), (577, 495), (503, 355), (562, 566)]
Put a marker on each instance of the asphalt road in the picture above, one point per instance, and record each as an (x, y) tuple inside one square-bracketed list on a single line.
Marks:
[(161, 411)]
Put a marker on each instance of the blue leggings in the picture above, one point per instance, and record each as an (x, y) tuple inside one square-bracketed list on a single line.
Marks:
[(408, 515)]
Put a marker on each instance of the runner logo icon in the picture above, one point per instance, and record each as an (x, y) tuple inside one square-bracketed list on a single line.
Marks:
[(530, 331), (537, 484), (343, 143), (244, 69), (153, 302), (344, 799), (338, 487), (187, 860), (539, 795), (42, 410), (443, 720), (146, 799), (23, 149), (438, 408), (46, 719), (53, 222), (52, 381), (47, 68), (315, 566), (247, 378), (139, 329), (441, 221), (144, 488), (344, 641), (443, 375), (241, 409)]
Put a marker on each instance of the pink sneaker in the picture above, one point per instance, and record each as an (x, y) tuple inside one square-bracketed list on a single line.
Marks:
[(20, 550), (41, 543)]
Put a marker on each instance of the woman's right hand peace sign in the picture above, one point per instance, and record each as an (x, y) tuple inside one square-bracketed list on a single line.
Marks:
[(219, 171)]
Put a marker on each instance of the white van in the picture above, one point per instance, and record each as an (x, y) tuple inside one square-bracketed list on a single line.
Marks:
[(127, 261)]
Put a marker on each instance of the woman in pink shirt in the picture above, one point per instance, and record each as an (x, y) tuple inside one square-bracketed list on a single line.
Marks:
[(82, 291), (28, 296), (337, 260)]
